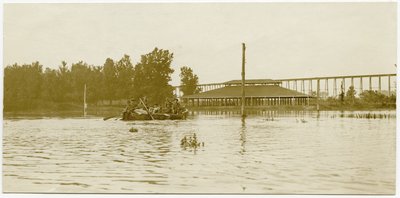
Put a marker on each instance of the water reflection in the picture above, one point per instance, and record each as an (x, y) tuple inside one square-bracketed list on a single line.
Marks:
[(383, 114), (243, 135), (155, 151)]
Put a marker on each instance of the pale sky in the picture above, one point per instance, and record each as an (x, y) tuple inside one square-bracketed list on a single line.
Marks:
[(284, 40)]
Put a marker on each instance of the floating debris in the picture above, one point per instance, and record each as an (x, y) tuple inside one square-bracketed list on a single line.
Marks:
[(191, 142), (133, 130)]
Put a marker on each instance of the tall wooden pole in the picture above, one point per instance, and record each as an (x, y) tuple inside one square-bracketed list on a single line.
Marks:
[(243, 76)]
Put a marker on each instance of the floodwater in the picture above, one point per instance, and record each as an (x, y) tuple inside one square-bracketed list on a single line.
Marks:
[(268, 153)]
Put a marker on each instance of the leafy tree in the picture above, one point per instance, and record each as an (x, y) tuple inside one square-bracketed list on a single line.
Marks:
[(80, 73), (341, 95), (350, 95), (22, 86), (64, 86), (373, 97), (124, 72), (152, 75), (10, 87), (50, 87), (94, 87), (189, 81), (392, 99), (109, 79), (27, 86)]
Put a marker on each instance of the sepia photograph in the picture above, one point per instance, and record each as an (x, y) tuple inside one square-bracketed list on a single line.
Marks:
[(231, 98)]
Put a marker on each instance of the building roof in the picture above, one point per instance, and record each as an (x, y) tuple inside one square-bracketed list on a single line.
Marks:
[(254, 81), (250, 91)]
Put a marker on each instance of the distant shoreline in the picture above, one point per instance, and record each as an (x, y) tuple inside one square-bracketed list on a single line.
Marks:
[(105, 111)]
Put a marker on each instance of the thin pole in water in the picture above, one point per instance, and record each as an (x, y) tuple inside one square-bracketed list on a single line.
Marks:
[(84, 102), (243, 77)]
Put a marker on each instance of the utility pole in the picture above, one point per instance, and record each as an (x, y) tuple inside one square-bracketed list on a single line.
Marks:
[(243, 77)]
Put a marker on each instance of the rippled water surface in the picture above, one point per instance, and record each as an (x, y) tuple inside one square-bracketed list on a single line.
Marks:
[(295, 152)]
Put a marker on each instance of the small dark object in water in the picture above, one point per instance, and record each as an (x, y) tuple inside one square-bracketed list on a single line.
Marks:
[(191, 142), (133, 130), (183, 141)]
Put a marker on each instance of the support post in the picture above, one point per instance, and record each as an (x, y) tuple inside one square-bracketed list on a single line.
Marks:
[(344, 85), (370, 83), (326, 88), (380, 85), (334, 88)]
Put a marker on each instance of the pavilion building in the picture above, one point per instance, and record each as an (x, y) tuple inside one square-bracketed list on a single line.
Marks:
[(258, 92)]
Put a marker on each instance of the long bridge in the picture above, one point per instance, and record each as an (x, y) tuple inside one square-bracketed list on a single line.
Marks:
[(321, 87)]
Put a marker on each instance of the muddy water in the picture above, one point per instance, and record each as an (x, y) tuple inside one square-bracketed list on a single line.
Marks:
[(269, 153)]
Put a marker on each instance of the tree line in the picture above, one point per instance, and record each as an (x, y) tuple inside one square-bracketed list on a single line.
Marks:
[(365, 98), (29, 86)]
